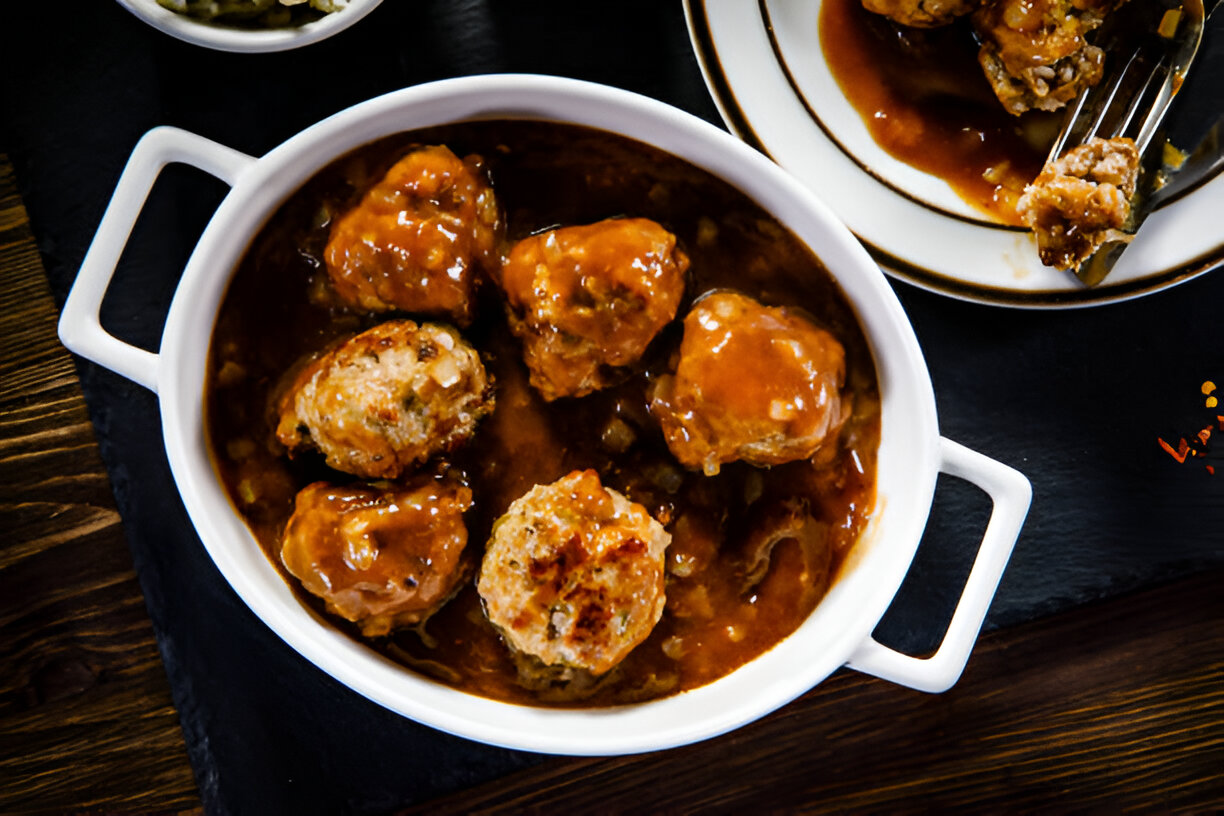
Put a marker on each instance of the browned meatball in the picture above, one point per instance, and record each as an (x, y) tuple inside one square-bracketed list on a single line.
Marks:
[(418, 238), (387, 399), (585, 300), (573, 574), (753, 383), (1081, 201), (922, 13), (382, 557), (1034, 52)]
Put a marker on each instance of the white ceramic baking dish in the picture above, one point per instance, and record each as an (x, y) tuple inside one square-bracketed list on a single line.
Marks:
[(839, 631)]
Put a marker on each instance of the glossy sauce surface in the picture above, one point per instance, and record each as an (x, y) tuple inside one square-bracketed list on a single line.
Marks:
[(547, 175), (924, 99), (335, 544)]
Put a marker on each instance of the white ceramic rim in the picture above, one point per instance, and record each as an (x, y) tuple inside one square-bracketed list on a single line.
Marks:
[(250, 41), (908, 456), (762, 63)]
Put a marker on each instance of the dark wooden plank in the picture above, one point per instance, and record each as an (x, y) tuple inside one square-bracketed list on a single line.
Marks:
[(1116, 706), (86, 719)]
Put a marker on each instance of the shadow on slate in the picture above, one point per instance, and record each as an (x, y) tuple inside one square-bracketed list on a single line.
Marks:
[(1073, 399)]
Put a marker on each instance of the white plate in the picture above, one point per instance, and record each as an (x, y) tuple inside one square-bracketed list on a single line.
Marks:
[(763, 65)]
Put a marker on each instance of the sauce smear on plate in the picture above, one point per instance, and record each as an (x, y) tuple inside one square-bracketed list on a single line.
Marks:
[(925, 101)]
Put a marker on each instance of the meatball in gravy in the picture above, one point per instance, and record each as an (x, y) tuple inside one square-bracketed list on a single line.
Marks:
[(1081, 201), (386, 400), (588, 300), (573, 574), (381, 557), (921, 13), (1034, 52), (754, 383), (418, 239)]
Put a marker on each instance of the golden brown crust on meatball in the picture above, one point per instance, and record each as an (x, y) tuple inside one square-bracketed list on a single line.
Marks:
[(418, 239), (753, 383), (382, 557), (386, 400), (573, 574), (591, 298), (922, 13), (1081, 200), (1034, 52)]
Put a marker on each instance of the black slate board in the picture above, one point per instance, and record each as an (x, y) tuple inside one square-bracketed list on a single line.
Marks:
[(1073, 399)]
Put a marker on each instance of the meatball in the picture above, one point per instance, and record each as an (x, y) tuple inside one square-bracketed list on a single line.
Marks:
[(587, 300), (386, 400), (753, 383), (922, 13), (418, 238), (381, 557), (573, 574), (1034, 52), (1081, 200)]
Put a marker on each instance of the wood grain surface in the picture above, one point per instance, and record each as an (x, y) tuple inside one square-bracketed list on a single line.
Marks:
[(87, 720), (1117, 706)]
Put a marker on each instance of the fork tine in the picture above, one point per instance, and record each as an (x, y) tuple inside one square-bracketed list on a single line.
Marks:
[(1137, 101), (1106, 105), (1064, 135), (1156, 112), (1099, 108), (1189, 30), (1132, 101)]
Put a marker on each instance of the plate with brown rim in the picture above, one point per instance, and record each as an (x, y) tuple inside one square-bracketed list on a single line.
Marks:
[(773, 83)]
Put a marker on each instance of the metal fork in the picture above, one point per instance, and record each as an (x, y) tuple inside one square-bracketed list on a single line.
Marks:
[(1149, 47)]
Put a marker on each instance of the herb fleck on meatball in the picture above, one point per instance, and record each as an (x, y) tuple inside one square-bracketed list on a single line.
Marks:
[(386, 400), (573, 574)]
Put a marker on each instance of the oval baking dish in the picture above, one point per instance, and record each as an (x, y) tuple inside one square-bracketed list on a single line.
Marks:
[(838, 632)]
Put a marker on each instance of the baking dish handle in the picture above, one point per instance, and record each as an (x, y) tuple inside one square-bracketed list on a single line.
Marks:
[(80, 328), (1011, 494)]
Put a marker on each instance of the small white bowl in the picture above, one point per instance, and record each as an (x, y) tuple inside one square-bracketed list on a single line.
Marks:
[(250, 41)]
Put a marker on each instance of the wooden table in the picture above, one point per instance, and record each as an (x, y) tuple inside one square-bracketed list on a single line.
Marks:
[(87, 717), (1117, 705)]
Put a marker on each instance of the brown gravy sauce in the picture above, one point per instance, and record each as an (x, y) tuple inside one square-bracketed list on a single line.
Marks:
[(547, 175), (925, 101)]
